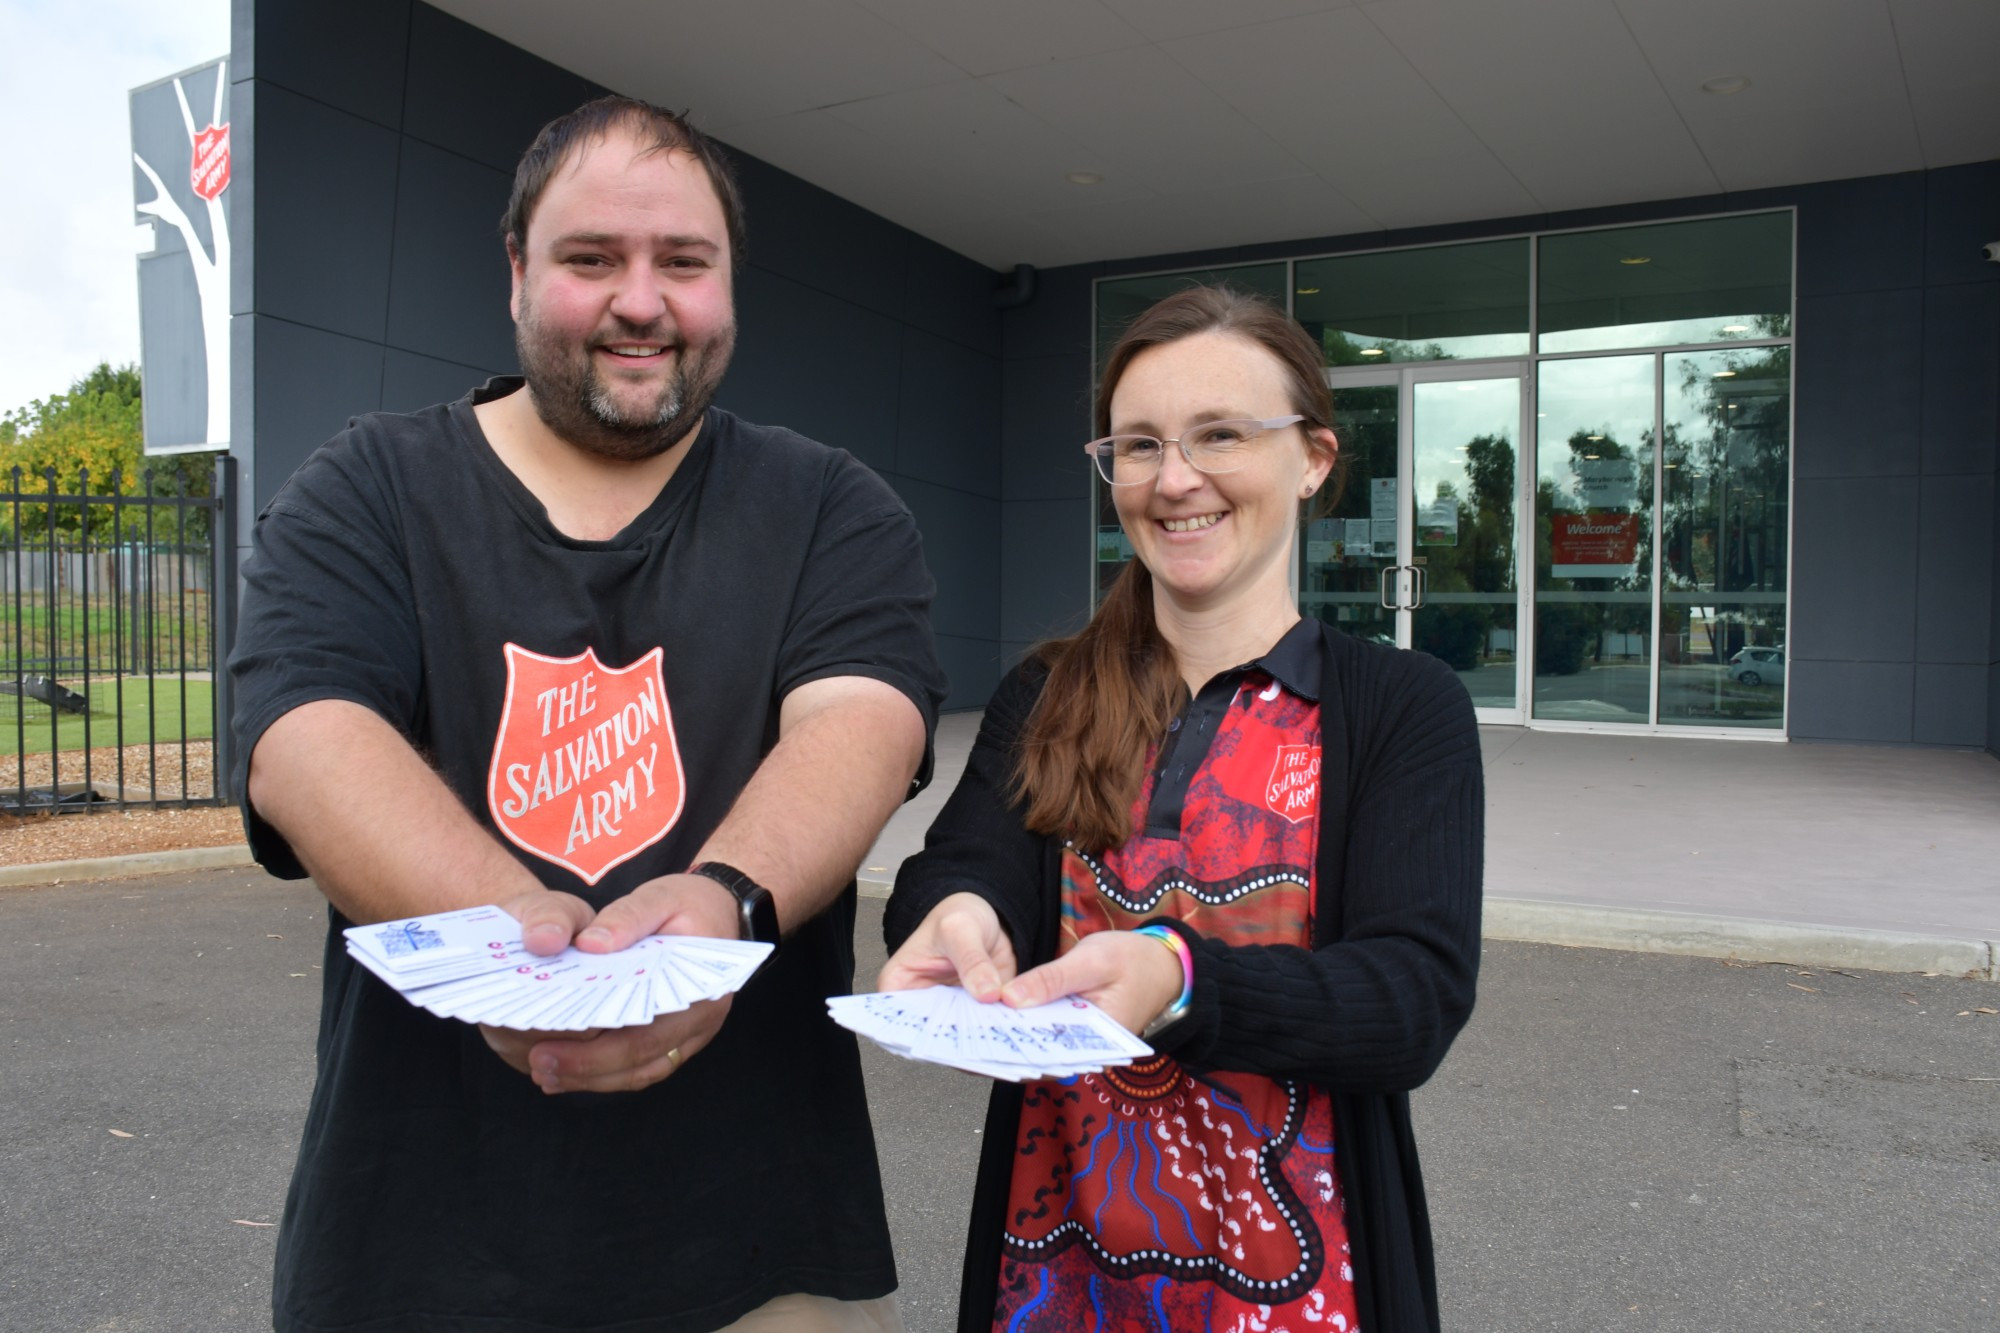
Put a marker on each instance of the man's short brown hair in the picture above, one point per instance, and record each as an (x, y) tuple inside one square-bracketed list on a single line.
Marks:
[(659, 130)]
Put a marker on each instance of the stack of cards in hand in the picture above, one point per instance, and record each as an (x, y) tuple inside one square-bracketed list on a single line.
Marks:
[(946, 1026), (472, 965)]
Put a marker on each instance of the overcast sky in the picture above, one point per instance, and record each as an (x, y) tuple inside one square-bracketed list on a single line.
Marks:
[(69, 282)]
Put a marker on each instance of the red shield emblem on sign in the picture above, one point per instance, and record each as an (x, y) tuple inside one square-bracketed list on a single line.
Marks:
[(209, 171), (1292, 790), (586, 772)]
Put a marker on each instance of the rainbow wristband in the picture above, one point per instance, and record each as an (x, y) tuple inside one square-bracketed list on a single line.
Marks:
[(1179, 948)]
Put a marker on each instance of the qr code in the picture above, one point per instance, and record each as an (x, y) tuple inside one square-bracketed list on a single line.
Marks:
[(1071, 1037), (398, 941)]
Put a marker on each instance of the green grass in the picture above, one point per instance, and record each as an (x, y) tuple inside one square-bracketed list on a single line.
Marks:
[(41, 631), (158, 720)]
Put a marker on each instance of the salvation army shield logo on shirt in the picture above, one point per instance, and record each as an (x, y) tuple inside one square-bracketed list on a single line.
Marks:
[(1292, 790), (586, 772)]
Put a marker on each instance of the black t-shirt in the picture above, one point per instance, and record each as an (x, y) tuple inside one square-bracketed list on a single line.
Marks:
[(600, 705)]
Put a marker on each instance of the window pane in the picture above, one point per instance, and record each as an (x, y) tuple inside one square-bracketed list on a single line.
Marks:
[(1726, 493), (1463, 509), (1122, 300), (1593, 539), (1346, 548), (1443, 303), (1716, 280)]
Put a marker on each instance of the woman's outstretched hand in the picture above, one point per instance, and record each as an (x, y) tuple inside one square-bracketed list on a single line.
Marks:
[(961, 943), (1129, 976)]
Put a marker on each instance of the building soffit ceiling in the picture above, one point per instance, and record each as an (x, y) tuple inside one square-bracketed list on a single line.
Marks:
[(1211, 123)]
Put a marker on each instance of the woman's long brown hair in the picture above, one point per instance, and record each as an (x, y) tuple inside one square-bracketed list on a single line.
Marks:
[(1114, 685)]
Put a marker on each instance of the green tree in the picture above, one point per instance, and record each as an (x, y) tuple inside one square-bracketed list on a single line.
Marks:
[(91, 439)]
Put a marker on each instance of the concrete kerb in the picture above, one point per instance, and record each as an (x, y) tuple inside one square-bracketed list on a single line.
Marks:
[(1636, 930), (125, 867), (1642, 930), (1577, 925)]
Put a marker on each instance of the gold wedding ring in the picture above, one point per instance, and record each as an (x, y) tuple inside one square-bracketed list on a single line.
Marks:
[(673, 1061)]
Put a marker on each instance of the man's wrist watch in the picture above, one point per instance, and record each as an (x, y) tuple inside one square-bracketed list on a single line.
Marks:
[(756, 910)]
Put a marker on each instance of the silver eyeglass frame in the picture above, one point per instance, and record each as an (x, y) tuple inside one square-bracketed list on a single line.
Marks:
[(1103, 459)]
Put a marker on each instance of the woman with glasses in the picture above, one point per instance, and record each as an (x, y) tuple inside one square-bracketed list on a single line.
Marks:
[(1246, 836)]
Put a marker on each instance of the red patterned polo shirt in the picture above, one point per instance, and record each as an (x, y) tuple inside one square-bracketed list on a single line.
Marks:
[(1148, 1197)]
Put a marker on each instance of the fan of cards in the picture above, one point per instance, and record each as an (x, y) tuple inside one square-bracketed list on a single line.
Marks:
[(472, 965), (944, 1025)]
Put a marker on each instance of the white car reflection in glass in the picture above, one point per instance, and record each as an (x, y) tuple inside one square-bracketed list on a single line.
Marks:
[(1758, 666)]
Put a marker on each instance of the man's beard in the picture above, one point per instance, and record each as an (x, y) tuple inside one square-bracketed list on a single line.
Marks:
[(573, 400)]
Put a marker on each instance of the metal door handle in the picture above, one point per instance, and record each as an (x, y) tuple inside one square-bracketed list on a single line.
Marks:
[(1383, 576), (1422, 585)]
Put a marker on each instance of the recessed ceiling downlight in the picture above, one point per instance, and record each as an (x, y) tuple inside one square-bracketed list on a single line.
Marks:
[(1085, 178), (1725, 85)]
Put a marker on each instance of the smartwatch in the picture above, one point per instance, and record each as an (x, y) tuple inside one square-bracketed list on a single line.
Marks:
[(756, 910)]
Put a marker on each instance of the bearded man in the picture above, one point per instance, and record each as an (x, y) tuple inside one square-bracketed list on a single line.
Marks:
[(584, 645)]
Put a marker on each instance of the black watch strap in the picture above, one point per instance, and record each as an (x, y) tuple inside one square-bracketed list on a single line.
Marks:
[(757, 911)]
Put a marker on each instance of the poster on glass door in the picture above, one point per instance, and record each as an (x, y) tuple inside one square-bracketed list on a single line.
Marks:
[(1593, 546), (1382, 516)]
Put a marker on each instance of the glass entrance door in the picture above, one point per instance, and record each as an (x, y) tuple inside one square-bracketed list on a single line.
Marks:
[(1422, 550)]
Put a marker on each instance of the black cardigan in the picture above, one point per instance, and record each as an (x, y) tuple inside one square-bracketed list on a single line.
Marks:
[(1367, 1014)]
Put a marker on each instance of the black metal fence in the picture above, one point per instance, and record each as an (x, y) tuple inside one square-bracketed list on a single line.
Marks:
[(118, 610)]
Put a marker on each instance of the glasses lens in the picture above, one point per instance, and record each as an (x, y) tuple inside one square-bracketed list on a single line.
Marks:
[(1126, 459), (1218, 446)]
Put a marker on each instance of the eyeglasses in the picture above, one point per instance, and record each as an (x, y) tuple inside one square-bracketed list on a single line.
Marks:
[(1213, 446)]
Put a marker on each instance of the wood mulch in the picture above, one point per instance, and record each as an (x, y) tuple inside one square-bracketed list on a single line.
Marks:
[(149, 773)]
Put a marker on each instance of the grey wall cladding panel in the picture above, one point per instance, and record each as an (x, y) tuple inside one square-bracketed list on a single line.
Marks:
[(1044, 568), (1962, 377), (820, 240), (243, 192), (325, 215), (1860, 235), (1044, 423), (952, 296), (1058, 321), (479, 96), (242, 41), (962, 548), (1851, 701), (1962, 214), (818, 365), (410, 382), (1853, 599), (309, 384), (349, 55), (449, 298), (1860, 384), (1955, 569), (973, 668), (1993, 708), (948, 415), (1950, 705)]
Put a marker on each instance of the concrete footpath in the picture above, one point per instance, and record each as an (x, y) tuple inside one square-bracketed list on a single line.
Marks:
[(1821, 855)]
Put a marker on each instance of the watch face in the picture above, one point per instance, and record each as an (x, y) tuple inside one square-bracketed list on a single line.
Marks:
[(760, 916)]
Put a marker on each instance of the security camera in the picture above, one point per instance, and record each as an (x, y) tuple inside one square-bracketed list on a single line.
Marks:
[(1992, 252)]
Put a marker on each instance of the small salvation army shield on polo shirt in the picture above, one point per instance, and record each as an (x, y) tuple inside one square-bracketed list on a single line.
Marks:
[(585, 772), (1292, 790)]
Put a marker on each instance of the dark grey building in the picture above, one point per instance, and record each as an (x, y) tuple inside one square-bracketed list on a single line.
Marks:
[(1718, 463)]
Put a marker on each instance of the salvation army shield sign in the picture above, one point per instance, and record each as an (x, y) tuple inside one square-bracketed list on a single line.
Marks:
[(586, 771), (208, 171)]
